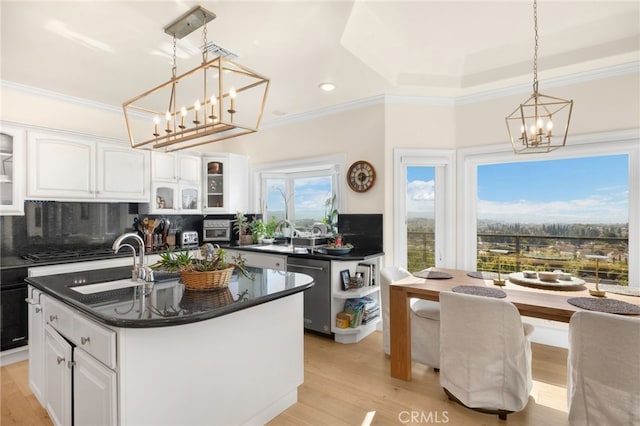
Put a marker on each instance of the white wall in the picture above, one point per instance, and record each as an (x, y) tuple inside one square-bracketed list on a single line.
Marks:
[(370, 132)]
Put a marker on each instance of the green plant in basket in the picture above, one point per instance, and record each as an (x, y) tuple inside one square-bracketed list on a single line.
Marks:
[(212, 258)]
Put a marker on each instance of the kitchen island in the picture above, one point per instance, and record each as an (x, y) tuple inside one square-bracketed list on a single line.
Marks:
[(163, 355)]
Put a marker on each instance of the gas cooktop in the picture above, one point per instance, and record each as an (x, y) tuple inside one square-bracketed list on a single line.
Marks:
[(63, 254)]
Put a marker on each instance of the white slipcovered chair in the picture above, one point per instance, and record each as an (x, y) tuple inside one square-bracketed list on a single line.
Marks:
[(485, 353), (425, 322), (603, 369)]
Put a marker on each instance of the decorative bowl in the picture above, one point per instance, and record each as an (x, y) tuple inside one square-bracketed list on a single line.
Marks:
[(548, 276), (338, 250)]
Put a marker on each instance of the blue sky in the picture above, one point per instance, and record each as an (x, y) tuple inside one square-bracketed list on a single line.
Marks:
[(581, 190)]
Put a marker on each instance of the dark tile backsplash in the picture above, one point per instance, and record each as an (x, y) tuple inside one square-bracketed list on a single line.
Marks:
[(362, 230), (58, 225)]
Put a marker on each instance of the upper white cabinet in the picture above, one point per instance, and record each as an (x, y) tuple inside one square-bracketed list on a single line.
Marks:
[(226, 183), (61, 167), (176, 183), (12, 161)]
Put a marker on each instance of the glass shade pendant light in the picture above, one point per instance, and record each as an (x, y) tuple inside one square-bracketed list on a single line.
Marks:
[(541, 123)]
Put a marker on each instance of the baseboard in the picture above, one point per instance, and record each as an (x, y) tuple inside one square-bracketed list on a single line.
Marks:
[(11, 356), (547, 332)]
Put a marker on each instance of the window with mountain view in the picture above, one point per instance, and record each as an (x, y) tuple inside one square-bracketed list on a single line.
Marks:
[(551, 214)]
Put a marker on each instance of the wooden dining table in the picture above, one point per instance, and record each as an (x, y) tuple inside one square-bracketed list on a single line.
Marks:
[(549, 304)]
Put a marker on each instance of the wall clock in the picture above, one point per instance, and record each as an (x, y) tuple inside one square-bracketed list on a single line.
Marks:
[(361, 176)]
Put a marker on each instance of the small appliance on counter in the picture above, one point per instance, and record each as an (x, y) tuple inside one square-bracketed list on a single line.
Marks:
[(189, 240), (218, 230)]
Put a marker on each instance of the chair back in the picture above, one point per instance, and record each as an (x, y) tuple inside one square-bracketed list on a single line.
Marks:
[(388, 275), (603, 374), (485, 358)]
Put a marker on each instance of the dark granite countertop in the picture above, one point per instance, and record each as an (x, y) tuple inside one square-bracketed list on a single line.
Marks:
[(354, 254), (167, 303)]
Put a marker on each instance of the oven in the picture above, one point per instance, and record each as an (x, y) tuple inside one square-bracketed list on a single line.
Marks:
[(218, 230), (13, 293)]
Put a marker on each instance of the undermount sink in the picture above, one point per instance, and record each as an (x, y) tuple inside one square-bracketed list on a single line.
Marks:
[(101, 287), (281, 248)]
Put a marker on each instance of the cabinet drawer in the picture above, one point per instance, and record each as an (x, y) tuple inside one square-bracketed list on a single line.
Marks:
[(59, 317), (98, 341)]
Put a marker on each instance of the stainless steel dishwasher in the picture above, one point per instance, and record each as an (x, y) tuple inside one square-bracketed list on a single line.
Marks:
[(317, 299)]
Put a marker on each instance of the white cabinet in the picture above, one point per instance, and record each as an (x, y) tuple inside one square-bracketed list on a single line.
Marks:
[(61, 167), (225, 183), (58, 363), (12, 166), (339, 296), (95, 392), (77, 350), (176, 182), (36, 342), (260, 260)]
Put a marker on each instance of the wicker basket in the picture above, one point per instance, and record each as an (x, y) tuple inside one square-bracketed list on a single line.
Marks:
[(206, 280)]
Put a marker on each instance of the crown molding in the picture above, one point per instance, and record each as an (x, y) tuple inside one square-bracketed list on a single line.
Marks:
[(632, 67)]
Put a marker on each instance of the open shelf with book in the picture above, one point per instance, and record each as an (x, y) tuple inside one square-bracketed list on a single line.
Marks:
[(359, 307)]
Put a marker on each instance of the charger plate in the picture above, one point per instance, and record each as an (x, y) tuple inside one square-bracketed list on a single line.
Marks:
[(477, 290), (432, 275), (610, 306)]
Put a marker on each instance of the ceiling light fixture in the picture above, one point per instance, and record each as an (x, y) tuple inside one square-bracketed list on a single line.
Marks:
[(217, 100), (327, 87), (532, 124)]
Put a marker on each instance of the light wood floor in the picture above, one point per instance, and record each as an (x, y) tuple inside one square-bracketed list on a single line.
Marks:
[(344, 382)]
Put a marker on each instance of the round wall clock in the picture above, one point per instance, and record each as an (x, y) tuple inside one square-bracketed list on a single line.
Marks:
[(361, 176)]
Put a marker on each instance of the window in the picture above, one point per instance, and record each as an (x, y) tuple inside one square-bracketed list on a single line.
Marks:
[(582, 199), (424, 214), (299, 191), (549, 214)]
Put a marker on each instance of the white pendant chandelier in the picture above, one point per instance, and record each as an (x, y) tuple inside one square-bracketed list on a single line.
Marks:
[(220, 99), (541, 123)]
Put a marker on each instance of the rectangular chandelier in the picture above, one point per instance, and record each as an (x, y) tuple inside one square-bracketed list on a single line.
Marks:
[(218, 100)]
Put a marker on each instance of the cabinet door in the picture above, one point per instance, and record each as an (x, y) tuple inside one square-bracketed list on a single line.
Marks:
[(12, 167), (36, 343), (163, 167), (58, 356), (59, 168), (122, 173), (94, 388), (221, 173), (189, 199), (190, 169), (165, 198)]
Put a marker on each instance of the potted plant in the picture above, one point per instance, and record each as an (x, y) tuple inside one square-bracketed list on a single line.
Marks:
[(270, 230), (331, 215), (241, 226), (257, 228), (210, 269)]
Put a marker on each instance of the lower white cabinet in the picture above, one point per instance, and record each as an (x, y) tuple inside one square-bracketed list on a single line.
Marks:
[(58, 360), (260, 260), (79, 389), (95, 392), (36, 342)]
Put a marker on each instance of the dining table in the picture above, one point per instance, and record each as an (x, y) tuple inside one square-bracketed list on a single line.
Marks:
[(531, 301)]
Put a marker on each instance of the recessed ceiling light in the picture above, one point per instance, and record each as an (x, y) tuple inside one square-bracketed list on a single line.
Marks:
[(327, 87)]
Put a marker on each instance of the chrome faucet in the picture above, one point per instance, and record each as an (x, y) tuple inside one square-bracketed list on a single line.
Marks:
[(140, 271), (291, 225)]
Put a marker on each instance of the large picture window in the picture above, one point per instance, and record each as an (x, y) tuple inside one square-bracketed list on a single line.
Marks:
[(551, 214), (551, 211)]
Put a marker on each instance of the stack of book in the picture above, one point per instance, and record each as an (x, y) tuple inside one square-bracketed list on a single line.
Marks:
[(364, 310)]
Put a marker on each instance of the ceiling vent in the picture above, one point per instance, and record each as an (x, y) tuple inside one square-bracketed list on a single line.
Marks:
[(219, 51)]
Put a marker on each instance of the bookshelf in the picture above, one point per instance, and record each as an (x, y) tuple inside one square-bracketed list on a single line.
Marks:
[(340, 296)]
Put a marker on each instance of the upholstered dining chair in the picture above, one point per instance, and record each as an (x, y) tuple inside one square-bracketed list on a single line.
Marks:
[(485, 353), (603, 369), (425, 322)]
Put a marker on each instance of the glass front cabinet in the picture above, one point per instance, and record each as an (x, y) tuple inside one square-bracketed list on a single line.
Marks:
[(12, 166), (175, 184), (225, 183)]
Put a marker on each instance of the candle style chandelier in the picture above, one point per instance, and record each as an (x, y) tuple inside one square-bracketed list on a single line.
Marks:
[(217, 100), (532, 124)]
